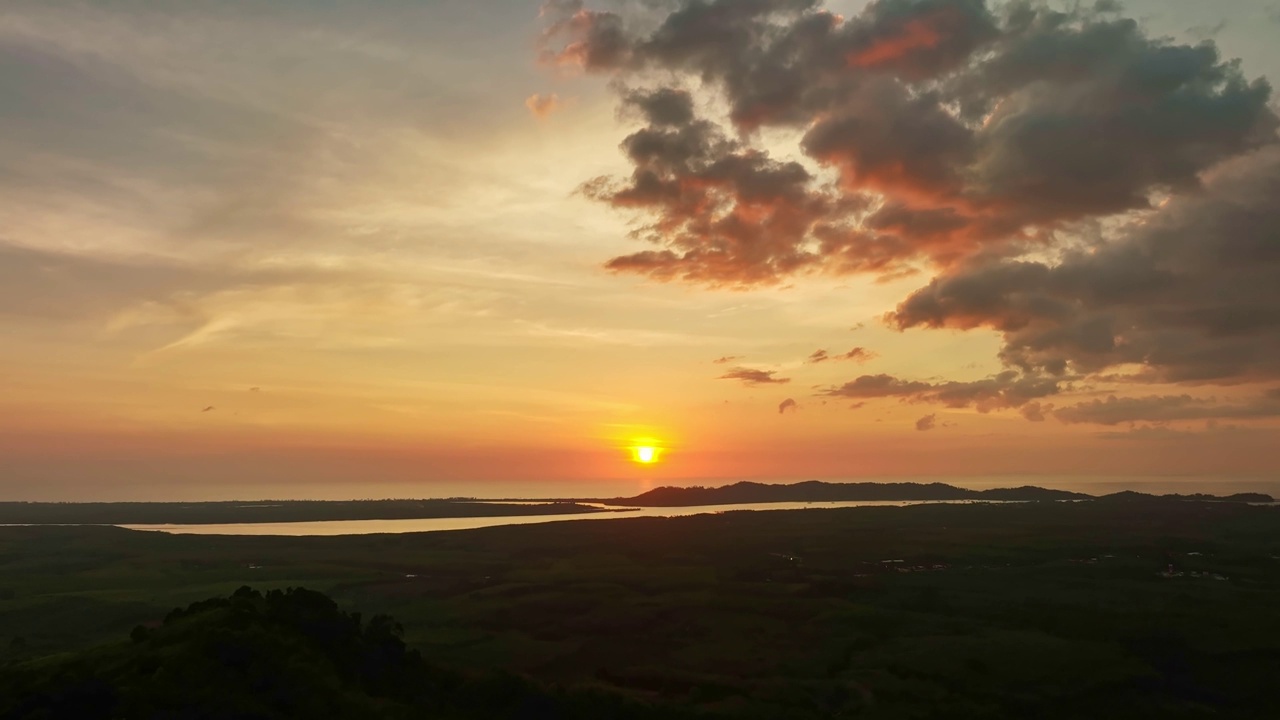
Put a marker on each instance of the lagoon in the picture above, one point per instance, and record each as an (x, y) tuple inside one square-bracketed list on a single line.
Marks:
[(372, 527)]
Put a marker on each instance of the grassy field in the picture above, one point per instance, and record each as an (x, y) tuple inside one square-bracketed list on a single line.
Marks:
[(1115, 609)]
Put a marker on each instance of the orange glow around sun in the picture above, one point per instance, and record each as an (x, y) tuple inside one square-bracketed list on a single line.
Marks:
[(645, 454)]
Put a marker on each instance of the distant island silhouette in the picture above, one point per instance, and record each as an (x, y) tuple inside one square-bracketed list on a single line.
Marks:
[(817, 491), (740, 493)]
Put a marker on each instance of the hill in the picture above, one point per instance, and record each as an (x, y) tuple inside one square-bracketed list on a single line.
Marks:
[(1130, 495), (285, 654), (816, 491)]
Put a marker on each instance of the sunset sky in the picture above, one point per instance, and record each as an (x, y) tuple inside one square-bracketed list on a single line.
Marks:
[(416, 248)]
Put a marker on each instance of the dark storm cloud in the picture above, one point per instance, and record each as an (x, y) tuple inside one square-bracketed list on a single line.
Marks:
[(954, 125), (751, 378)]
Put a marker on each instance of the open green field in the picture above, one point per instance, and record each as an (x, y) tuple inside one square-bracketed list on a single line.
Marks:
[(1092, 609)]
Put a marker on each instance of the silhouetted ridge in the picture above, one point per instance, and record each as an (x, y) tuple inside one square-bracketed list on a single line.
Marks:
[(286, 654), (816, 491), (1130, 495)]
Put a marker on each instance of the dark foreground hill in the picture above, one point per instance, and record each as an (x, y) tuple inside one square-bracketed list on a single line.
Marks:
[(816, 491), (286, 654)]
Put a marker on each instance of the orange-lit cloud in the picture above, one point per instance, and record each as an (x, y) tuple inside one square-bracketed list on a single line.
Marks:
[(964, 151), (915, 35), (923, 182), (542, 106)]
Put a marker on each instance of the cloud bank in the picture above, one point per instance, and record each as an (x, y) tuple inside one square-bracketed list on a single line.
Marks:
[(1101, 198)]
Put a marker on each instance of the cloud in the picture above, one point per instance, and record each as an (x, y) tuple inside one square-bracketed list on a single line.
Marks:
[(542, 105), (1207, 32), (858, 354), (210, 408), (751, 378), (722, 212), (725, 360), (1099, 196), (1212, 431), (879, 386), (1011, 391), (1187, 295), (1003, 391), (957, 129), (928, 422), (1035, 412), (589, 39), (786, 405), (1165, 408)]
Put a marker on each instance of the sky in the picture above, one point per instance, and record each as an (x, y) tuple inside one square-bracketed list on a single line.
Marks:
[(422, 248)]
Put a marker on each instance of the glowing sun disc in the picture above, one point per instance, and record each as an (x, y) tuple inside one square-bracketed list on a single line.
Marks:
[(645, 454)]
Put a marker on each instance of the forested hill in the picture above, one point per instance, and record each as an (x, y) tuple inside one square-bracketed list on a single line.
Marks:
[(815, 491), (286, 654)]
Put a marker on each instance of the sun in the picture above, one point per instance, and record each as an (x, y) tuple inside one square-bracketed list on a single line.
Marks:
[(644, 454)]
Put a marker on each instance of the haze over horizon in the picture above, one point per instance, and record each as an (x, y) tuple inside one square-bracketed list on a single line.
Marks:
[(502, 249)]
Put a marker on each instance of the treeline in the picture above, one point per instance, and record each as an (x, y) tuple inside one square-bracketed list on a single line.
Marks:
[(203, 513), (286, 654)]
